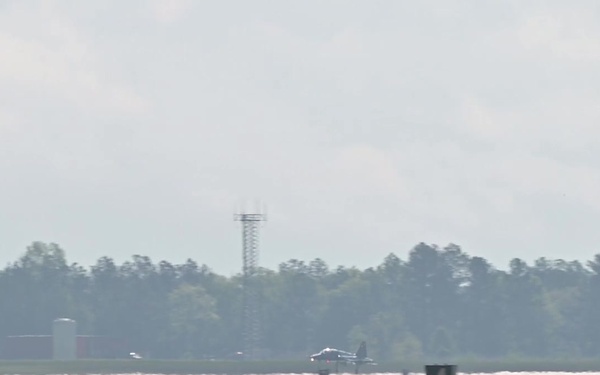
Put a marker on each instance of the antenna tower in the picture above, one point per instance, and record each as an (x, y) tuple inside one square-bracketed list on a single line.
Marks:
[(251, 317)]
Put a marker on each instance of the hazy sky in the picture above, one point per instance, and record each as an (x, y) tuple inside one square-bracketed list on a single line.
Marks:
[(140, 127)]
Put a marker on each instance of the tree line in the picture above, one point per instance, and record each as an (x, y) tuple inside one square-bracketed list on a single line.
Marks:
[(439, 302)]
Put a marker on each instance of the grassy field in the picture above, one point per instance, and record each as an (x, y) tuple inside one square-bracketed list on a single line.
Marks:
[(271, 367)]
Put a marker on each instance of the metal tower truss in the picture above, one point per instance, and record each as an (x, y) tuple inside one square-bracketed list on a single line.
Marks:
[(250, 287)]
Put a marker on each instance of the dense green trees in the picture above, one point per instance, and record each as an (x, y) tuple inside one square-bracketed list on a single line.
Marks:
[(440, 302)]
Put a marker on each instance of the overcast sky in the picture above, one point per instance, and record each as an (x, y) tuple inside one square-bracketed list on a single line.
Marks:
[(365, 127)]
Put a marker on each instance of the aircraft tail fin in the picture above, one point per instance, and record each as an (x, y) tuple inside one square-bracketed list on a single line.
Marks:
[(362, 350)]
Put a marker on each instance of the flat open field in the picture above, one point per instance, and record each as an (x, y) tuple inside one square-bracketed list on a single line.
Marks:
[(282, 367)]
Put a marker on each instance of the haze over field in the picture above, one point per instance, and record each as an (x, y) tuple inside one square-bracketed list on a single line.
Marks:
[(365, 126)]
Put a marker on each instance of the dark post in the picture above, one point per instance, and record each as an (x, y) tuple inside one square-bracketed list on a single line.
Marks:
[(440, 369)]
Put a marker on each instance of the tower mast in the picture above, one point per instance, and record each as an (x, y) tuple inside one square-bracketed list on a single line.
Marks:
[(250, 253)]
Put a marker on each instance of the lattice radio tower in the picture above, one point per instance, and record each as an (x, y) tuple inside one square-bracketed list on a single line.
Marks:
[(251, 317)]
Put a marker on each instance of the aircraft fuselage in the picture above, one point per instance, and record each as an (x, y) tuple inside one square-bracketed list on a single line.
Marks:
[(337, 356)]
